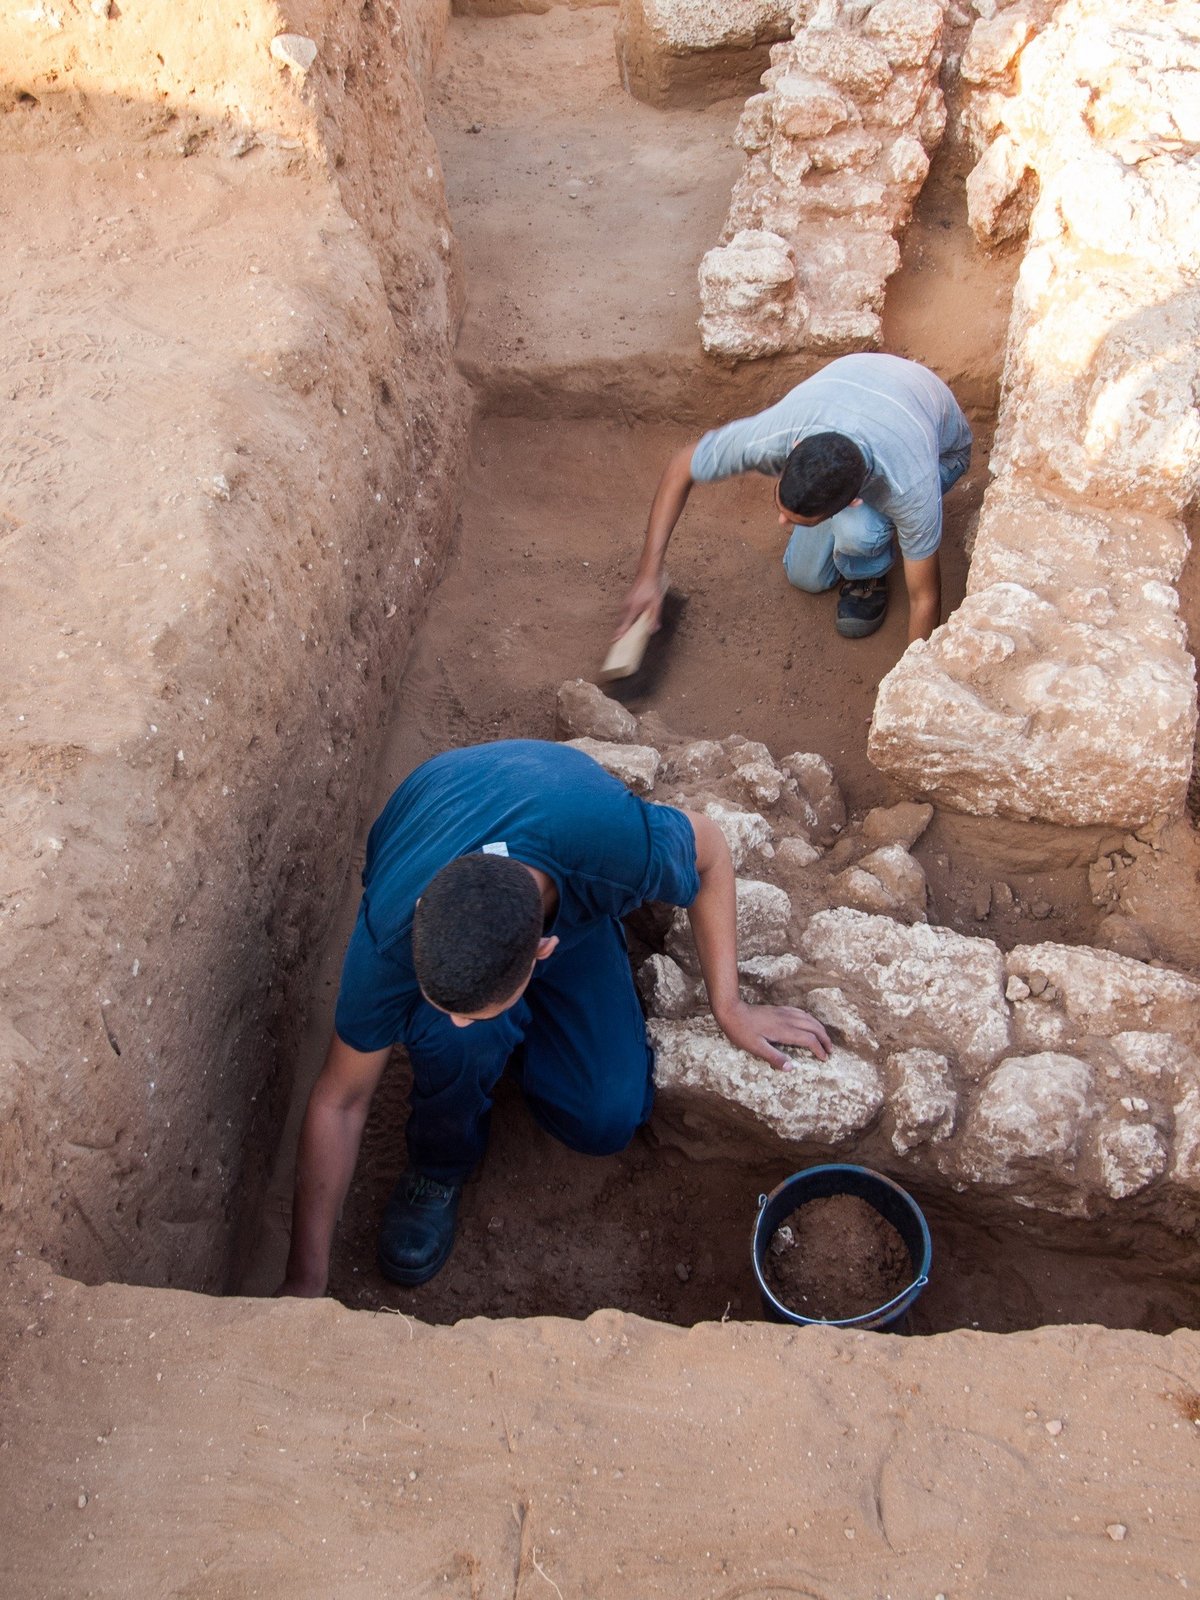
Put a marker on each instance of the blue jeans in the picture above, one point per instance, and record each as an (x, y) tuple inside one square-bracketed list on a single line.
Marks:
[(856, 543), (580, 1039)]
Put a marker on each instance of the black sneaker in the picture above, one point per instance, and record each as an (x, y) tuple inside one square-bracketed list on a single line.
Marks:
[(417, 1233), (861, 607)]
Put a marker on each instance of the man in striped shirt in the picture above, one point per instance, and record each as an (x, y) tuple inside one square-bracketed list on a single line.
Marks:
[(862, 454)]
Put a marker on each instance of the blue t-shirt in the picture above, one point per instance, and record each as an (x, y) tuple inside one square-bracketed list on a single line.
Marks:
[(547, 805), (908, 426)]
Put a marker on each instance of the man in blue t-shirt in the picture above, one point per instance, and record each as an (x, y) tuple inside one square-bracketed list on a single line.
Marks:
[(490, 927), (863, 453)]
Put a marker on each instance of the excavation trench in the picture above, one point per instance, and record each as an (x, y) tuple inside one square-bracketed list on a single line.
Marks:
[(579, 340)]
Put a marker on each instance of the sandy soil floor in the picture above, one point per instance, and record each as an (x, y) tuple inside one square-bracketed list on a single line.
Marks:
[(232, 1448)]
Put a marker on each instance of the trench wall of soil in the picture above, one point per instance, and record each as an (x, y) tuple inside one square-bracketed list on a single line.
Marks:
[(227, 478)]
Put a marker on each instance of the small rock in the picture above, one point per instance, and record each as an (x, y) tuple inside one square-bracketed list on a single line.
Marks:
[(1038, 982), (1054, 1427), (585, 711), (982, 904), (1002, 896), (1116, 1531), (797, 852), (82, 1501), (1017, 989), (1041, 909), (682, 1271), (294, 50), (474, 127)]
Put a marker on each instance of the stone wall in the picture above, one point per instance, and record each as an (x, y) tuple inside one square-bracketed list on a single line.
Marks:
[(1049, 1077), (692, 52), (228, 471), (837, 148), (1063, 688)]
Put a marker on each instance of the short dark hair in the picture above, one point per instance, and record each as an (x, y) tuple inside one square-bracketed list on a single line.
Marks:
[(822, 475), (475, 932)]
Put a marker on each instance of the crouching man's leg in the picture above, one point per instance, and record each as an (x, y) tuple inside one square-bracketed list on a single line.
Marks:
[(588, 1065), (455, 1072)]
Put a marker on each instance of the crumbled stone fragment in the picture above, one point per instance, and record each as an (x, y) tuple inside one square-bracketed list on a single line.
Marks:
[(923, 1102), (586, 712), (636, 765)]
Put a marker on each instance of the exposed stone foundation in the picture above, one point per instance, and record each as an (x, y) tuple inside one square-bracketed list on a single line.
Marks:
[(1060, 1078), (1063, 688), (837, 149)]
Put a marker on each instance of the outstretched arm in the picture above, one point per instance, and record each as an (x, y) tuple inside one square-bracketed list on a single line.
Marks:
[(669, 500), (924, 582), (329, 1140), (713, 914)]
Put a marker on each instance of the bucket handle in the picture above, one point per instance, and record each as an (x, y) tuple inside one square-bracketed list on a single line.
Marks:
[(863, 1316)]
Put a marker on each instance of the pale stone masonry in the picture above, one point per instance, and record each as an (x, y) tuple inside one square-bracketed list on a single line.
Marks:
[(1062, 689), (837, 148), (1055, 1078)]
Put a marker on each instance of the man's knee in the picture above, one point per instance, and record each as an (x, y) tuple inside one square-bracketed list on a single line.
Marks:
[(604, 1125)]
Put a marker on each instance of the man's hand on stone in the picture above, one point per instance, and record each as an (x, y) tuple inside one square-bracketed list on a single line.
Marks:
[(762, 1029)]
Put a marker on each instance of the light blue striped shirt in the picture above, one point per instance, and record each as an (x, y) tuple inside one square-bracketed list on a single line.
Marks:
[(909, 427)]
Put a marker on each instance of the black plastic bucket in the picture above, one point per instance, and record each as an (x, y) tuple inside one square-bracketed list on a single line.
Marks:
[(894, 1204)]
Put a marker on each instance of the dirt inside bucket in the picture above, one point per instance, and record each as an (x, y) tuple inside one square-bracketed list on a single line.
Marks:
[(836, 1258)]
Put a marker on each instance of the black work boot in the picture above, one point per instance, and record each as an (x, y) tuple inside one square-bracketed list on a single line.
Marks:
[(417, 1232), (861, 607)]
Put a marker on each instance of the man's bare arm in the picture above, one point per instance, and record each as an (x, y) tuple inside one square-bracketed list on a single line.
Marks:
[(713, 914), (669, 500), (924, 582), (329, 1141)]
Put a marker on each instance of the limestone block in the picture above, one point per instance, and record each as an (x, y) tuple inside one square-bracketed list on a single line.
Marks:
[(1132, 1155), (901, 824), (774, 978), (1039, 1025), (1030, 1114), (929, 987), (585, 711), (901, 877), (923, 1101), (907, 31), (691, 52), (665, 988), (852, 63), (796, 853), (746, 832), (827, 1100), (1001, 191), (1155, 1056), (703, 758), (853, 148), (636, 765), (764, 912), (816, 782), (806, 108), (751, 305), (831, 1007), (994, 46), (1106, 994), (1185, 1169), (1063, 720)]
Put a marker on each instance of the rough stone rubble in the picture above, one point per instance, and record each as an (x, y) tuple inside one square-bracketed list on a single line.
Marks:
[(837, 147), (1061, 1078), (1063, 688)]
